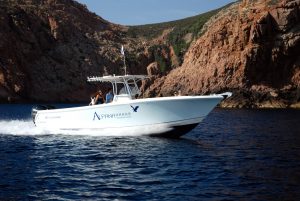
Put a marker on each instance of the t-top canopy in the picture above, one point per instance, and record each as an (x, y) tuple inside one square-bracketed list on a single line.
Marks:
[(118, 78)]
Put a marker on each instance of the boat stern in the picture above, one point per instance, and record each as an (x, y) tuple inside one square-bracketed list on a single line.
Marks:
[(36, 109)]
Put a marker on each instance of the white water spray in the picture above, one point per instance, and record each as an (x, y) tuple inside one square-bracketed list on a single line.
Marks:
[(27, 127)]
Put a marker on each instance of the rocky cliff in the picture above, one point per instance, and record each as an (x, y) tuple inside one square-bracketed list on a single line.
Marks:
[(251, 48), (49, 47)]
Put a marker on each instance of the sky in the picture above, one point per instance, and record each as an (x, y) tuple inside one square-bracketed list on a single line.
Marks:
[(137, 12)]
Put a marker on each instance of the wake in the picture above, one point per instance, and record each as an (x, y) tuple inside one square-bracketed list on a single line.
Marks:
[(20, 127), (27, 128)]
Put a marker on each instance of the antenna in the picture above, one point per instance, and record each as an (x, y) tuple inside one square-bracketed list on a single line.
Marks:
[(123, 53)]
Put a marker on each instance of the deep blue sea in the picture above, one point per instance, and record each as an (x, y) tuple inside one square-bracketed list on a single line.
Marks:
[(231, 155)]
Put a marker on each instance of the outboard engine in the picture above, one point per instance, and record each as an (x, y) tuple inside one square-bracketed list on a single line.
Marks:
[(38, 108)]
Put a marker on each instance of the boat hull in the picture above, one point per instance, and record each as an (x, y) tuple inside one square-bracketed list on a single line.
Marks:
[(169, 116)]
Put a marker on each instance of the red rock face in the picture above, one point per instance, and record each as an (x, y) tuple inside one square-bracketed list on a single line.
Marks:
[(252, 49), (48, 48)]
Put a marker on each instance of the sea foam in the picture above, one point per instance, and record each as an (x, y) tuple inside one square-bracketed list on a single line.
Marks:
[(27, 127)]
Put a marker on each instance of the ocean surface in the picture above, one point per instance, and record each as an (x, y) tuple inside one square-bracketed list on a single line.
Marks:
[(232, 155)]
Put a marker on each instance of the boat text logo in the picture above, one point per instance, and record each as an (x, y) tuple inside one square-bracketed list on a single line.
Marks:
[(134, 108), (119, 115)]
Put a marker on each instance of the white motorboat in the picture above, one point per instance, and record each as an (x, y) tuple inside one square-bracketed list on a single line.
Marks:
[(166, 116)]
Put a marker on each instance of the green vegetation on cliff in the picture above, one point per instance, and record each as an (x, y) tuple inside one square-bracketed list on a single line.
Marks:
[(182, 32), (187, 25)]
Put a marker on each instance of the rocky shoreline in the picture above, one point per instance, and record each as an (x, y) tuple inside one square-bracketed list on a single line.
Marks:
[(250, 48)]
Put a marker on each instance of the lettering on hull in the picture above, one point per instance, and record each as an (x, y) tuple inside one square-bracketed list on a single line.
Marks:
[(120, 115), (52, 117)]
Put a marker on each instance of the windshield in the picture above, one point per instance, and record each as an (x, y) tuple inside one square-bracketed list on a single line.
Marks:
[(128, 87)]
